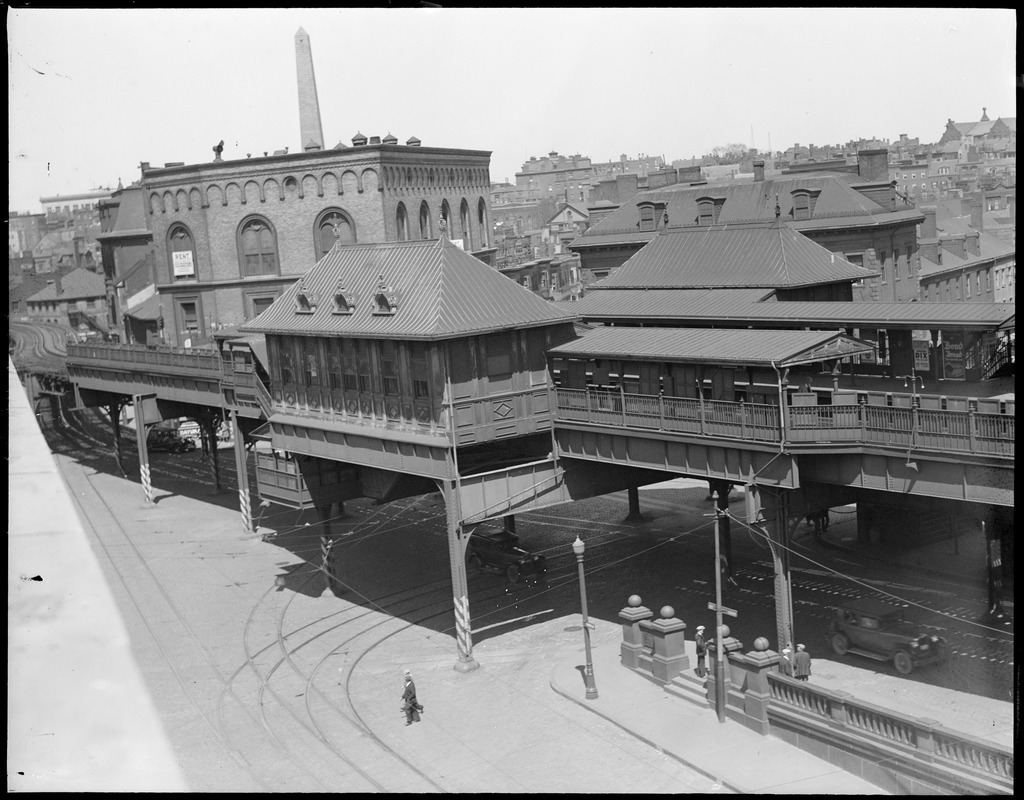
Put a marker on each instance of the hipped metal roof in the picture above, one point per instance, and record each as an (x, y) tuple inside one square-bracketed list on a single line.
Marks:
[(713, 346), (439, 292), (769, 254), (838, 204), (741, 306)]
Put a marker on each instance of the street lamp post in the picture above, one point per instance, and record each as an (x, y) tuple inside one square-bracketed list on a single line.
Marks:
[(588, 677), (719, 648)]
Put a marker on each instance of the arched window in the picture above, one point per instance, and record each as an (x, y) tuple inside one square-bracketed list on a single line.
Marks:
[(481, 218), (402, 223), (647, 218), (446, 215), (257, 248), (467, 233), (333, 225), (425, 226), (181, 251)]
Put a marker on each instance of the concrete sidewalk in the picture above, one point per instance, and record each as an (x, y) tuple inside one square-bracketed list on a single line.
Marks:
[(740, 759)]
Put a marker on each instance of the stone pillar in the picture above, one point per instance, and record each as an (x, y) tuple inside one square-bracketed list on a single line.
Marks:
[(632, 638), (723, 649), (750, 679), (668, 643)]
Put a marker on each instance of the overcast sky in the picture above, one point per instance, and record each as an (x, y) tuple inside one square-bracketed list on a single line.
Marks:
[(93, 92)]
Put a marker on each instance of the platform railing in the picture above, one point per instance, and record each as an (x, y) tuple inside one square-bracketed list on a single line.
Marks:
[(894, 426), (140, 356)]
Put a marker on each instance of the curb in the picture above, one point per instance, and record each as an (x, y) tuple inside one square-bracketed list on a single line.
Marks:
[(696, 768)]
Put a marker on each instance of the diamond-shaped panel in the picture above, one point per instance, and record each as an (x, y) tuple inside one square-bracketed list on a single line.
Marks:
[(502, 410)]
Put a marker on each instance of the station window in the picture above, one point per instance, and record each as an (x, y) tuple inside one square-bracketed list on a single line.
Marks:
[(348, 351), (287, 362), (420, 371), (311, 362), (335, 367), (389, 367)]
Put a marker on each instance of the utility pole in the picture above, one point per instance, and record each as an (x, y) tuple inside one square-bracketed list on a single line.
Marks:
[(719, 610)]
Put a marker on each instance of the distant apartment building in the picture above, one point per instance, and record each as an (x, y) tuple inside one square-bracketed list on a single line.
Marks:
[(76, 300), (961, 263)]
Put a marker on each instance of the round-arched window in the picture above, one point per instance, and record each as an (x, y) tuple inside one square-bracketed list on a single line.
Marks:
[(257, 247), (425, 226), (402, 223), (181, 251), (333, 225)]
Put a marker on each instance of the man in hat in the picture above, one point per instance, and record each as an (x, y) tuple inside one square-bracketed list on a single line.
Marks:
[(786, 665), (801, 664), (702, 652), (410, 706)]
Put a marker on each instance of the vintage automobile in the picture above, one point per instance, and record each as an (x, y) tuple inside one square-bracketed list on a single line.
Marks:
[(163, 440), (497, 550), (871, 628)]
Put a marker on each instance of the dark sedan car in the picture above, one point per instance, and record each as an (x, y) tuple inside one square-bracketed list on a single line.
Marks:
[(497, 550), (877, 630)]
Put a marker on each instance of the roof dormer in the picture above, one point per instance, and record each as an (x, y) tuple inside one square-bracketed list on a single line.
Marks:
[(804, 201), (344, 300), (708, 209), (305, 300), (385, 299)]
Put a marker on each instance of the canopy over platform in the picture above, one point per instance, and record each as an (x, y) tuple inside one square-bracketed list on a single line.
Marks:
[(714, 346)]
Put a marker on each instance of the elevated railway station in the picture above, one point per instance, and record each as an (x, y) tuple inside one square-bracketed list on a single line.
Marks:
[(392, 370)]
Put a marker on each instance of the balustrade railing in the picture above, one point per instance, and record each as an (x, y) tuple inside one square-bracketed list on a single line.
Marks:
[(895, 426), (922, 737)]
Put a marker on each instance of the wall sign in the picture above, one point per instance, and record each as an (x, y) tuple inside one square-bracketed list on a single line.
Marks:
[(182, 262)]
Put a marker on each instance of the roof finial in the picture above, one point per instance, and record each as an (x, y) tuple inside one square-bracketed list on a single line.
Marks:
[(778, 208), (442, 226)]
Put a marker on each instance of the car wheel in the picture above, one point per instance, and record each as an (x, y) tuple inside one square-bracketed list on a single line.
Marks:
[(512, 573), (476, 564), (840, 644), (903, 663)]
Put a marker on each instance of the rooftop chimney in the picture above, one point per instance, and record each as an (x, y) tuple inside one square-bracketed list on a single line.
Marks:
[(873, 165), (955, 244), (977, 217), (974, 243), (758, 170), (928, 227)]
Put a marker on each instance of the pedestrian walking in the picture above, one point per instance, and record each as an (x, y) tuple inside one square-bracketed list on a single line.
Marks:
[(801, 664), (786, 665), (410, 705), (702, 652)]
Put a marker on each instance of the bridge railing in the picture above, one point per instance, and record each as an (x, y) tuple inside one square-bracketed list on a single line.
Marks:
[(140, 356), (677, 414), (894, 426)]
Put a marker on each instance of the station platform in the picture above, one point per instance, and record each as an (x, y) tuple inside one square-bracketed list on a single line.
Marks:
[(79, 716)]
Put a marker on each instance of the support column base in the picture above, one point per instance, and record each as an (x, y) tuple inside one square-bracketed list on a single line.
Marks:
[(467, 665)]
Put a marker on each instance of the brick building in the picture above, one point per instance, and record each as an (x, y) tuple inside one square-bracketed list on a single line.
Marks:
[(230, 235)]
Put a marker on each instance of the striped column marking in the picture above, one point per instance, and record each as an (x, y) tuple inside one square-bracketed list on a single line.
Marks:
[(147, 482), (463, 636), (326, 544), (246, 506)]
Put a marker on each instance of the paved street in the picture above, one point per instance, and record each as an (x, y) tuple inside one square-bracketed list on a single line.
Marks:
[(279, 684)]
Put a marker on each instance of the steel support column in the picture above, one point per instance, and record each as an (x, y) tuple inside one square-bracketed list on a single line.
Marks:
[(326, 546), (724, 488), (114, 410), (209, 423), (634, 504), (460, 584), (242, 468), (773, 519), (141, 431)]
